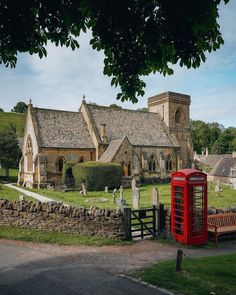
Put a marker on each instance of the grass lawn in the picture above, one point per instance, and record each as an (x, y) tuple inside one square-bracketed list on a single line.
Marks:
[(11, 194), (105, 200), (13, 174), (227, 198), (199, 276), (17, 119), (50, 237)]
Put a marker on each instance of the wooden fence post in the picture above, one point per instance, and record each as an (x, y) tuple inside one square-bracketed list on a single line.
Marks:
[(179, 259), (127, 223)]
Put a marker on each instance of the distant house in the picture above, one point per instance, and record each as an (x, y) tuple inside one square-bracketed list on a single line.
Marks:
[(147, 144), (225, 170)]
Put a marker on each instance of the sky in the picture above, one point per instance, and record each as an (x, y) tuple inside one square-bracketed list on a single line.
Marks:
[(60, 80)]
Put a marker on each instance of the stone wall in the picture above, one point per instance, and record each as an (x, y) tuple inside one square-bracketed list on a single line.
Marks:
[(56, 217)]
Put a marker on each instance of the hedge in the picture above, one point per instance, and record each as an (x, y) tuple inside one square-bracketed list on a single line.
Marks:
[(97, 175)]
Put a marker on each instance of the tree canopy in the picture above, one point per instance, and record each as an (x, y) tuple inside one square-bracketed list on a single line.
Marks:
[(1, 110), (218, 140), (9, 148), (20, 107), (137, 37)]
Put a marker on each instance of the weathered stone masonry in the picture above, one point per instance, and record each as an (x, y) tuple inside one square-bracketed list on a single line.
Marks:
[(68, 219)]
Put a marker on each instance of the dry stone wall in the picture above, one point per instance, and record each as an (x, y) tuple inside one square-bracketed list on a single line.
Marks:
[(56, 217)]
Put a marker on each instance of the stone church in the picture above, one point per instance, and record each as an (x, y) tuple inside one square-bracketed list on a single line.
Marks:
[(149, 145)]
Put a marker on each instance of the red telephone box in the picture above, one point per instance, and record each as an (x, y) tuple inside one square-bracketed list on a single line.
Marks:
[(189, 207)]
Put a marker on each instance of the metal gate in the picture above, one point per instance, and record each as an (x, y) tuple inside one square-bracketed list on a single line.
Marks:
[(143, 222)]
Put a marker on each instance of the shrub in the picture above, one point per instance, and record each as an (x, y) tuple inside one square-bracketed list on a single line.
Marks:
[(97, 175)]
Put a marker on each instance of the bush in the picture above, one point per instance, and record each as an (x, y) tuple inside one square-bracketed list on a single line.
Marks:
[(97, 175)]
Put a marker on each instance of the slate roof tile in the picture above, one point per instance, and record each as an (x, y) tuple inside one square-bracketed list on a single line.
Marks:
[(61, 129), (141, 128)]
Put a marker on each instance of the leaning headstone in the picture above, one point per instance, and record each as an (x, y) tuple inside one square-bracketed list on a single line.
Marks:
[(133, 184), (21, 198), (136, 198), (84, 190), (114, 196), (155, 197)]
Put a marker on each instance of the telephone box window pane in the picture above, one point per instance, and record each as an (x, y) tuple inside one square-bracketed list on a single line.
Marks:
[(198, 205), (178, 209)]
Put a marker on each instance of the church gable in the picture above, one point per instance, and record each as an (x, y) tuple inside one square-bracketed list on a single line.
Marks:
[(118, 151)]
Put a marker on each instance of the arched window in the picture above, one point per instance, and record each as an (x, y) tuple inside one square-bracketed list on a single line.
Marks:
[(169, 163), (178, 116), (81, 160), (152, 163), (29, 154), (60, 164), (127, 168)]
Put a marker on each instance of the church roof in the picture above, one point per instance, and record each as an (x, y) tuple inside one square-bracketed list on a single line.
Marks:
[(141, 128), (224, 167), (61, 129)]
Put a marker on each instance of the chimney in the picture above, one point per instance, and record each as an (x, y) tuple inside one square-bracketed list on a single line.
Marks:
[(103, 133)]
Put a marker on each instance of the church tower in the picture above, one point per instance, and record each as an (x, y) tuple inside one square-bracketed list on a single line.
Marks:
[(174, 111)]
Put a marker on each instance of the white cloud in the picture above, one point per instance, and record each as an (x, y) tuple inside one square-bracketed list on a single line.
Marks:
[(60, 80)]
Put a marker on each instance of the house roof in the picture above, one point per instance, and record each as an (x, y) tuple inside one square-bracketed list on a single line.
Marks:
[(224, 167), (210, 160), (111, 150), (61, 129), (141, 128)]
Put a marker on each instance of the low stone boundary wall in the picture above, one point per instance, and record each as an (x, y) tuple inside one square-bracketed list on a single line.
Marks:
[(56, 217)]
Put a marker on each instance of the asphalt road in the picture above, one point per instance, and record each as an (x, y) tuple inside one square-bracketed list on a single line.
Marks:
[(31, 269)]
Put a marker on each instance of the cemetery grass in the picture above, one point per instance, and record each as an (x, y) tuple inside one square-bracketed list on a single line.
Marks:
[(52, 237), (199, 276), (101, 199), (11, 194)]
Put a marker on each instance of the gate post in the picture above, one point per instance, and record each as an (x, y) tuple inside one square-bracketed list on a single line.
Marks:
[(161, 218), (127, 223), (154, 221)]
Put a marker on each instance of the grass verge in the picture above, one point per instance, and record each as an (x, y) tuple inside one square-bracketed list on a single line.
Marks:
[(52, 237), (199, 276)]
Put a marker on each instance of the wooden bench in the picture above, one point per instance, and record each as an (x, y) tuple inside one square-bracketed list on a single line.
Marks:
[(220, 224)]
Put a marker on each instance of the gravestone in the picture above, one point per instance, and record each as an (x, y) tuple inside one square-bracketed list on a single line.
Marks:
[(114, 196), (121, 192), (84, 190), (234, 185), (121, 201), (133, 184), (136, 198), (21, 198), (106, 189), (155, 197)]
